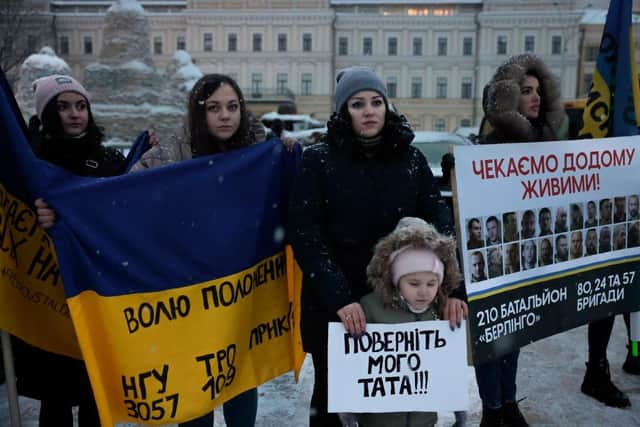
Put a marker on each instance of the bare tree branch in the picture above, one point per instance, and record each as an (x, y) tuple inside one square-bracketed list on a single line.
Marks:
[(23, 29)]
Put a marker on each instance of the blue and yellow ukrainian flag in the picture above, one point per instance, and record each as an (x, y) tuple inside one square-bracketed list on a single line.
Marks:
[(175, 278), (613, 105)]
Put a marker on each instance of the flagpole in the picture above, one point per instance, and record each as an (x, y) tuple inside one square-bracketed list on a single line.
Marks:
[(10, 375)]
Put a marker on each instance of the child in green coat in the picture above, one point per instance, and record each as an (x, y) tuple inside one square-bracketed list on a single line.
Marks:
[(412, 271)]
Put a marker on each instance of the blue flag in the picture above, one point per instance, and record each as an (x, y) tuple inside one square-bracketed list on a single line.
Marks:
[(177, 273), (613, 104)]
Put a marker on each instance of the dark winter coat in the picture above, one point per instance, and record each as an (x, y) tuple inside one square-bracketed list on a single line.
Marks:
[(41, 374), (501, 99), (343, 203), (82, 156)]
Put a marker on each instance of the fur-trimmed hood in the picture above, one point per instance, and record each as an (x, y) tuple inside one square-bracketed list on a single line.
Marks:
[(502, 95), (416, 233)]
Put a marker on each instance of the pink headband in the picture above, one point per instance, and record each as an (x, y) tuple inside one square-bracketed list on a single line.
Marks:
[(408, 260)]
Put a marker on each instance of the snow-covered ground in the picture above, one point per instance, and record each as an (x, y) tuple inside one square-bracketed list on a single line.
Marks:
[(549, 378)]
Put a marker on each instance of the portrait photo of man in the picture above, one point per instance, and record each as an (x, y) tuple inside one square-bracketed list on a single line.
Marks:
[(562, 248), (493, 231), (604, 241), (633, 235), (474, 229), (560, 225), (544, 222), (632, 202), (510, 225), (576, 244), (592, 215), (476, 261), (591, 242), (529, 255), (605, 212), (577, 219), (528, 225), (546, 251), (512, 258), (494, 256), (619, 209), (620, 237)]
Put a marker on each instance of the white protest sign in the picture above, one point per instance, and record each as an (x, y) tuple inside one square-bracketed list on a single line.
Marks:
[(404, 367)]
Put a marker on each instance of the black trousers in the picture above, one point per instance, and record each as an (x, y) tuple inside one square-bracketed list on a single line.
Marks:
[(599, 334)]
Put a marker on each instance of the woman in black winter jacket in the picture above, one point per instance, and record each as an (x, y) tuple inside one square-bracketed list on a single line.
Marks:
[(64, 133), (350, 192)]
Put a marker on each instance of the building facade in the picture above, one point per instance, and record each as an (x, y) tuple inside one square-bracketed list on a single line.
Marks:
[(434, 56)]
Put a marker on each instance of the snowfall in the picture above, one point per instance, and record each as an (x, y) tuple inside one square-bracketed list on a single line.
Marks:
[(549, 376)]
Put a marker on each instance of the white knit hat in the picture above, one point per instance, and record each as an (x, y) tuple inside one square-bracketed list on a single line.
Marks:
[(47, 88)]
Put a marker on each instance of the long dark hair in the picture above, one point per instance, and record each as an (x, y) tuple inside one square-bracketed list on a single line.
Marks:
[(201, 140), (50, 129)]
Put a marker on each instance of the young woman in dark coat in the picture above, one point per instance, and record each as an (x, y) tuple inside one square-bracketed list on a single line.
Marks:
[(63, 132), (350, 192)]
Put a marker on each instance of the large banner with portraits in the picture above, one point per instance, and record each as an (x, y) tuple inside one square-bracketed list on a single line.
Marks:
[(550, 237)]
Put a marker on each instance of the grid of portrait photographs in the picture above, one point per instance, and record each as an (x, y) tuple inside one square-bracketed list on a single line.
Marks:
[(510, 242)]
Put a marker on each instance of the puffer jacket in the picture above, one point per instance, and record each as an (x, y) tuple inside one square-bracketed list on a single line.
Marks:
[(416, 233), (384, 304), (343, 202), (501, 99)]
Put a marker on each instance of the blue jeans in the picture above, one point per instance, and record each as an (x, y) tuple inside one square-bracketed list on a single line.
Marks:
[(497, 380), (238, 412)]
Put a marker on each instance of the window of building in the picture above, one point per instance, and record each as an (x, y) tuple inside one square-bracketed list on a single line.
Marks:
[(466, 88), (157, 45), (88, 45), (556, 45), (256, 85), (441, 87), (591, 53), (392, 46), (181, 43), (306, 42), (392, 87), (417, 46), (416, 87), (529, 44), (232, 42), (282, 42), (63, 45), (586, 82), (367, 46), (442, 46), (439, 125), (343, 46), (465, 123), (467, 46), (32, 41), (207, 42), (501, 48), (281, 83), (257, 42), (305, 87)]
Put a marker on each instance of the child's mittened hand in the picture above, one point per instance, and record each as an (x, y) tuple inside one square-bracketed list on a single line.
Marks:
[(353, 318)]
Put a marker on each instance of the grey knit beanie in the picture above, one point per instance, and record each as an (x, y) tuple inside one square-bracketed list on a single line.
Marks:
[(355, 79)]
